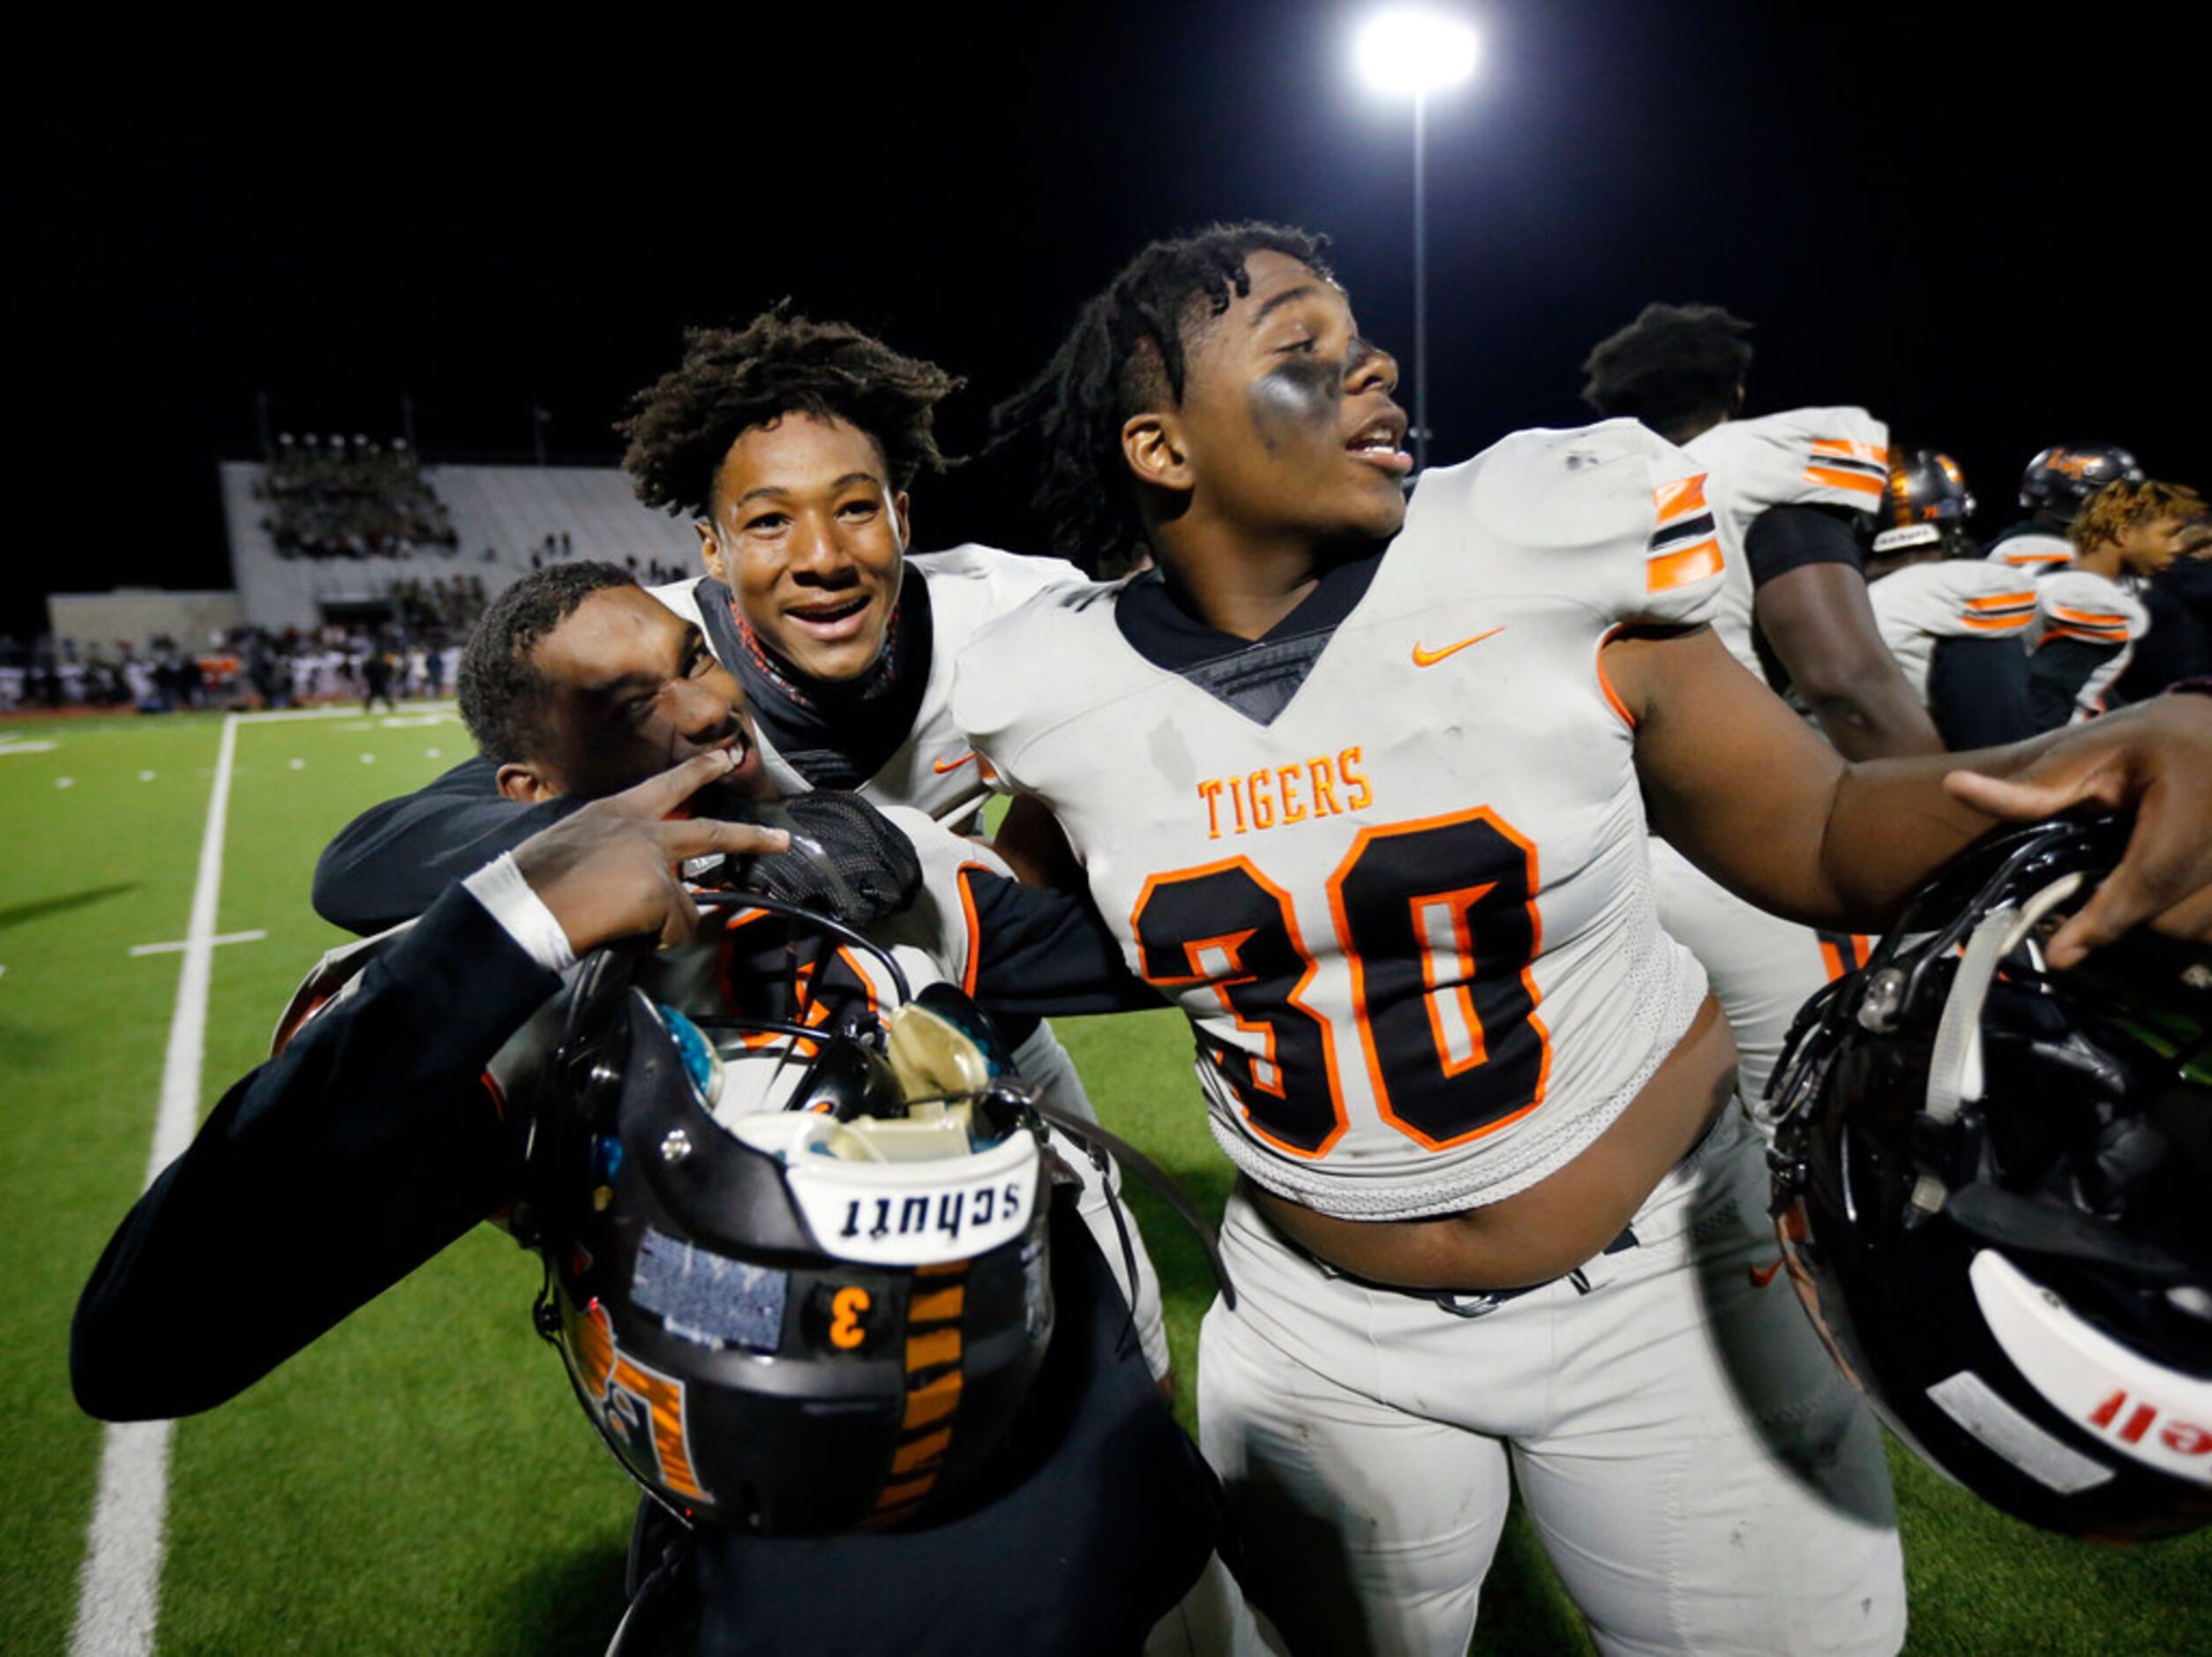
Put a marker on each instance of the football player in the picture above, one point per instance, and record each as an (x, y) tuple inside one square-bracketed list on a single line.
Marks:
[(1956, 622), (2051, 491), (791, 445), (372, 1132), (2090, 614), (1786, 493), (1363, 784)]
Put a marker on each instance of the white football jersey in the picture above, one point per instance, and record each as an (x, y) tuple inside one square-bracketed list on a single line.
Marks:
[(1947, 598), (2079, 603), (1410, 915), (935, 769), (2034, 551), (1800, 457)]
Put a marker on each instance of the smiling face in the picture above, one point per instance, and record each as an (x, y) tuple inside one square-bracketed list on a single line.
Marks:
[(809, 534), (630, 690), (1286, 432)]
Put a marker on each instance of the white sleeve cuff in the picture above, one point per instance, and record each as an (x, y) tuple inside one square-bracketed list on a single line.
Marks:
[(500, 887)]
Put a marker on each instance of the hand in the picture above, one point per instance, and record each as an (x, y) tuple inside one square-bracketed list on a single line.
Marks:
[(2157, 759), (609, 871)]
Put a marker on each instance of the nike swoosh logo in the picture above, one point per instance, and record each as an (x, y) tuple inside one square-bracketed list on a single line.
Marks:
[(943, 766), (1761, 1279), (1429, 658)]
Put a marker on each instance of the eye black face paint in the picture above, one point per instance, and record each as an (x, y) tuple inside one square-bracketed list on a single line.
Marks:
[(1300, 394)]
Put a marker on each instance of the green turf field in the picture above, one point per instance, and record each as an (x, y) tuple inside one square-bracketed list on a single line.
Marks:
[(420, 1480)]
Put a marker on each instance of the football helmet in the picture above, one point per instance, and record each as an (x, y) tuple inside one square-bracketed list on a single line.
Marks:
[(1991, 1185), (1924, 503), (2061, 477), (795, 1261)]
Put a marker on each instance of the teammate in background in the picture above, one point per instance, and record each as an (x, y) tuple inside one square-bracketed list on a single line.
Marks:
[(373, 1133), (791, 445), (2051, 491), (2180, 600), (1786, 494), (1362, 783), (1956, 622), (2090, 614)]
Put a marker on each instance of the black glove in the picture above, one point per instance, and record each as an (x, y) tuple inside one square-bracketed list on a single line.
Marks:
[(847, 860)]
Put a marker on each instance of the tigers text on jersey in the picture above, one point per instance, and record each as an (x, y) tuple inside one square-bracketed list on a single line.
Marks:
[(933, 770), (1406, 905), (1800, 457), (2079, 603), (1947, 598)]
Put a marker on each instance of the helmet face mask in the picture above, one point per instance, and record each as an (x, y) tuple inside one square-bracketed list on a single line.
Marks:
[(1990, 1183), (807, 1304)]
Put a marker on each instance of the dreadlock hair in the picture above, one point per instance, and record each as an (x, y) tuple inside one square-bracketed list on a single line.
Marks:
[(681, 426), (502, 693), (1676, 368), (2121, 506), (1125, 355)]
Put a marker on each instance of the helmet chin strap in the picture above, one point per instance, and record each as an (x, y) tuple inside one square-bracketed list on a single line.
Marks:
[(1954, 1068)]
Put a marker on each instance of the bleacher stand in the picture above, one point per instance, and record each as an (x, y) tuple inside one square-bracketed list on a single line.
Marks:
[(508, 514)]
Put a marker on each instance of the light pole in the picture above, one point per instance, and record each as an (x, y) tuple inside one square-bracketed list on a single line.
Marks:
[(1413, 51)]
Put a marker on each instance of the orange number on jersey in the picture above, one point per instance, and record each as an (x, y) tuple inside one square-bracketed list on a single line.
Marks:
[(1438, 922)]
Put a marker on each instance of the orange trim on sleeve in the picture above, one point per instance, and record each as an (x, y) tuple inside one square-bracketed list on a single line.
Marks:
[(975, 929), (2001, 601), (2116, 637), (1847, 449), (1612, 697), (1670, 570), (1855, 482), (2090, 617), (1681, 497), (1998, 624)]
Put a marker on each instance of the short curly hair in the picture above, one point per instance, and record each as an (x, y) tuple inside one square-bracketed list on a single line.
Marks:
[(2121, 506), (502, 693), (681, 427), (1126, 355), (1676, 368)]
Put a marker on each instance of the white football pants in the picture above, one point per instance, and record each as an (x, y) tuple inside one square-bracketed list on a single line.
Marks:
[(1702, 1476)]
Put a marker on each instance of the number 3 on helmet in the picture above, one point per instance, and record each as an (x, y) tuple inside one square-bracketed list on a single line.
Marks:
[(807, 1308)]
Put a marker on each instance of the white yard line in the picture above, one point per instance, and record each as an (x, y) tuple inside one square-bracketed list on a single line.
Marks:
[(119, 1592), (255, 936)]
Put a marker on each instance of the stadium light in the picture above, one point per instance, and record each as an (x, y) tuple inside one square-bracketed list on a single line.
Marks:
[(1409, 51)]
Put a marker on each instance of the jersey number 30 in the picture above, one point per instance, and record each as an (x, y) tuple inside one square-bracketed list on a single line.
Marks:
[(1438, 920)]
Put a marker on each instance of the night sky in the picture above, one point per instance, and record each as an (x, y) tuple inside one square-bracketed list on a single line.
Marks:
[(1988, 236)]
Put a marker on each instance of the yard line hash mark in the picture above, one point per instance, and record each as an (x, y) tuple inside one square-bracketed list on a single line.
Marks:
[(118, 1594), (255, 936)]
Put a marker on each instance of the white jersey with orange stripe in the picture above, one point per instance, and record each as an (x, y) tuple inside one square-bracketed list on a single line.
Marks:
[(1406, 903), (2035, 551), (2079, 603), (1800, 457), (934, 770), (1948, 598)]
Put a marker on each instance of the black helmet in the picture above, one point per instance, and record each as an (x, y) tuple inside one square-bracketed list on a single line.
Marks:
[(2060, 478), (797, 1266), (1993, 1184), (1924, 503)]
